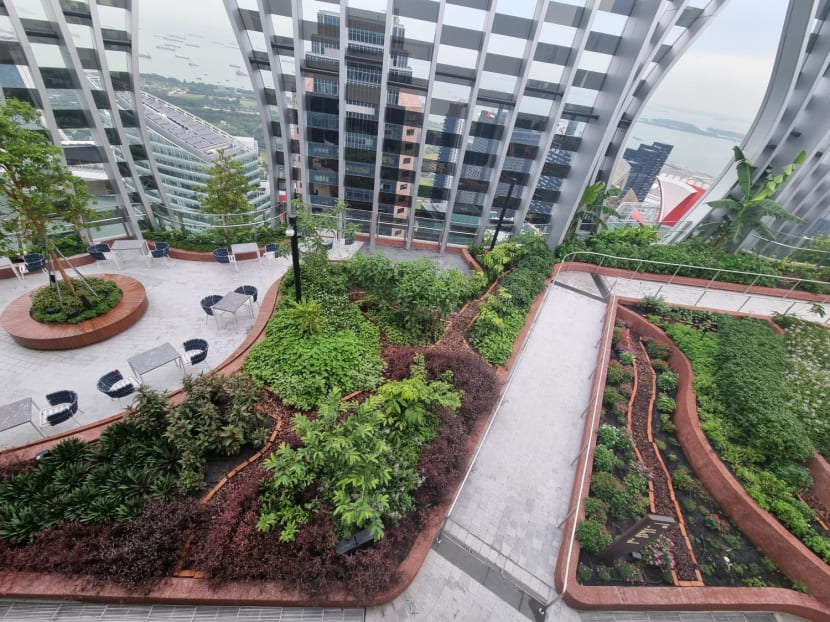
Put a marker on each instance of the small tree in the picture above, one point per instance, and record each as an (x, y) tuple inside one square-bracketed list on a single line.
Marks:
[(593, 206), (226, 191), (42, 193), (747, 213)]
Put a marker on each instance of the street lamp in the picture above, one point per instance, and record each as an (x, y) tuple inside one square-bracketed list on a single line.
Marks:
[(292, 233), (503, 210)]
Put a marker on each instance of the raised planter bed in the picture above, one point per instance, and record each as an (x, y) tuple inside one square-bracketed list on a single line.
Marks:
[(30, 333), (787, 553)]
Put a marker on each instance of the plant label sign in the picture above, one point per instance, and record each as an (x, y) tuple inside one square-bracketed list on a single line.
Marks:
[(644, 531)]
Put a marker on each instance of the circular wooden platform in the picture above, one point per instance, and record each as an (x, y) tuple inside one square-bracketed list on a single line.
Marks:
[(29, 333)]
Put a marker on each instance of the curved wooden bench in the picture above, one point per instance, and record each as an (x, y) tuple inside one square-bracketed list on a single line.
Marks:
[(32, 334)]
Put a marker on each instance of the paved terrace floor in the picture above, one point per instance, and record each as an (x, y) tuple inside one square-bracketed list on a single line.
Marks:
[(495, 557)]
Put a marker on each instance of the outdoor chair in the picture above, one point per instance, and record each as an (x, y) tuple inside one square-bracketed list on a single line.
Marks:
[(195, 351), (102, 252), (115, 385), (62, 406), (207, 304), (161, 251), (248, 290), (33, 262), (271, 250), (223, 256)]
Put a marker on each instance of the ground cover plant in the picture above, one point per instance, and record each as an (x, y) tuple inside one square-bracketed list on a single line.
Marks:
[(522, 266), (205, 240), (640, 243), (808, 379), (742, 397), (92, 297)]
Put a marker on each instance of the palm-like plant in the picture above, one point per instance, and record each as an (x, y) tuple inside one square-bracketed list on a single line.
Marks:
[(593, 206), (747, 213)]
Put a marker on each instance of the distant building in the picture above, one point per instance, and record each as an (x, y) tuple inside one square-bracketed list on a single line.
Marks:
[(646, 162), (184, 147)]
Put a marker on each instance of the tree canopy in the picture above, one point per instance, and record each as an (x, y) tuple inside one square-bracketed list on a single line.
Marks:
[(41, 191), (227, 188)]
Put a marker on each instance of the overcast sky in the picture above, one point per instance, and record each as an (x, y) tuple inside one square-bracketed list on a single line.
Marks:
[(724, 73)]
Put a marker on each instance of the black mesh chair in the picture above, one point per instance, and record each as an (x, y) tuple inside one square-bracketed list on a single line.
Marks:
[(115, 385), (207, 305), (271, 250), (248, 290), (195, 351), (161, 251), (33, 262), (223, 256), (101, 252), (62, 406)]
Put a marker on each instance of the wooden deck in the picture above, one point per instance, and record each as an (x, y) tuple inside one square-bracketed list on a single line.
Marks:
[(30, 333)]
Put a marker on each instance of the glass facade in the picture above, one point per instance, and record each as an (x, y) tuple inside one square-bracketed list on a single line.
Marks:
[(430, 117)]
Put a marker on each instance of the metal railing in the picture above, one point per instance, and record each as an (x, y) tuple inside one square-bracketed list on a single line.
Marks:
[(716, 273)]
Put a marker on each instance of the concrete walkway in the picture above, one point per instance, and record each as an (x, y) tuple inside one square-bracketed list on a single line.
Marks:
[(495, 557)]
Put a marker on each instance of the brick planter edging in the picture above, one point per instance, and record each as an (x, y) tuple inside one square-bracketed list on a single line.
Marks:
[(781, 548), (30, 333)]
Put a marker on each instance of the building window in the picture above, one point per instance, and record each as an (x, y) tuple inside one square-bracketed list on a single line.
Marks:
[(410, 131), (407, 160)]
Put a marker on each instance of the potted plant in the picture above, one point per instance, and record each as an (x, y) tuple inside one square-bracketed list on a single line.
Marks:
[(349, 232)]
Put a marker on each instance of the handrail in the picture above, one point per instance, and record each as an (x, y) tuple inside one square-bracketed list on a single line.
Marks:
[(678, 266)]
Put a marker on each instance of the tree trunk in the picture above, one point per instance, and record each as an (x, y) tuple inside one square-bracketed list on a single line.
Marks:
[(56, 263)]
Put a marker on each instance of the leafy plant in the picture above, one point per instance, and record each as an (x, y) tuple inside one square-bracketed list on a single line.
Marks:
[(57, 304), (593, 536), (343, 355), (360, 458)]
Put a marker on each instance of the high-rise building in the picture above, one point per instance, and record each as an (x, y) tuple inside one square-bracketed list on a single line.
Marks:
[(646, 162), (184, 146), (423, 114), (372, 101)]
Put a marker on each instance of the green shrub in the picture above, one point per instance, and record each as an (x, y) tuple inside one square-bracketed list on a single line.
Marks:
[(584, 573), (495, 329), (360, 459), (659, 366), (604, 459), (665, 404), (629, 573), (627, 358), (603, 573), (667, 424), (616, 373), (683, 480), (593, 537), (657, 350), (796, 476), (611, 396), (667, 382), (596, 510), (51, 307)]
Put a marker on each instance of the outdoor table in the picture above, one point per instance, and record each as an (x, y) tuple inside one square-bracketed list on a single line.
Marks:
[(17, 413), (153, 359), (120, 246), (231, 303), (5, 262), (246, 248)]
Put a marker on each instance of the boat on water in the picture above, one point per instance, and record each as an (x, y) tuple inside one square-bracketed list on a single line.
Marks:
[(144, 55), (235, 66), (239, 72), (181, 56), (169, 48), (193, 45), (193, 64)]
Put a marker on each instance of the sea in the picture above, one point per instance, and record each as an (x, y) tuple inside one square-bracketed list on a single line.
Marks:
[(193, 58), (694, 152)]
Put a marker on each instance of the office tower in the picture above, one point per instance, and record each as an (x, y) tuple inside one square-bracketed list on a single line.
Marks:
[(184, 147), (646, 162), (420, 113)]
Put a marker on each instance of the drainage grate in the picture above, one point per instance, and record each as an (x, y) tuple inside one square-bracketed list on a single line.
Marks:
[(59, 611)]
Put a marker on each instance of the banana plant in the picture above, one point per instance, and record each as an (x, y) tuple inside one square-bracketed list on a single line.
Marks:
[(747, 213)]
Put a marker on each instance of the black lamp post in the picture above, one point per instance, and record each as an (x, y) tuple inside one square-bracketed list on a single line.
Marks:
[(503, 210), (292, 233)]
